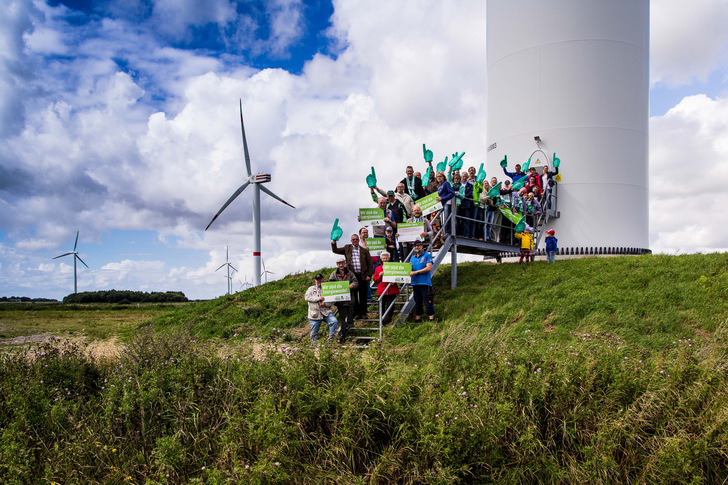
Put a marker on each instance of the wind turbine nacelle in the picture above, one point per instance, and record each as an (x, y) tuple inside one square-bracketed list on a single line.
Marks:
[(261, 178)]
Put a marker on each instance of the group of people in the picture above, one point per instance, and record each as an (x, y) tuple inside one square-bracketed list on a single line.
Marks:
[(480, 206)]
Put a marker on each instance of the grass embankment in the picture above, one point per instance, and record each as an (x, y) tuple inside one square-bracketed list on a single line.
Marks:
[(585, 371)]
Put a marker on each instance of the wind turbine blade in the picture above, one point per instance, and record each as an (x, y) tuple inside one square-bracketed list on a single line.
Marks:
[(233, 267), (66, 254), (79, 258), (76, 243), (245, 141), (232, 198), (221, 266), (265, 189)]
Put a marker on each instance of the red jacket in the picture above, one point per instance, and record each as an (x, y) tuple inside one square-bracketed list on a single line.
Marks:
[(393, 288)]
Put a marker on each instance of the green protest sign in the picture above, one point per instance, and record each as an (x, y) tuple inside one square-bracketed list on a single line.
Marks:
[(372, 217), (410, 231), (334, 291), (514, 217), (429, 204), (376, 245), (396, 272)]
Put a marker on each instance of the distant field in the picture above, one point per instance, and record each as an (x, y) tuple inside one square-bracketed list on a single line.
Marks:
[(34, 322)]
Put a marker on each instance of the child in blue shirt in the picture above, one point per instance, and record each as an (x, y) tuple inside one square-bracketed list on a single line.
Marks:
[(551, 246)]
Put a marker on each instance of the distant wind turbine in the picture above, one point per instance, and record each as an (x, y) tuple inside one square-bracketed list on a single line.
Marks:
[(265, 271), (229, 265), (75, 257), (257, 181)]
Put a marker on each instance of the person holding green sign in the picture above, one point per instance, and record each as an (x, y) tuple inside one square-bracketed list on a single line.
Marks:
[(387, 292), (318, 310), (359, 262), (346, 308), (421, 281)]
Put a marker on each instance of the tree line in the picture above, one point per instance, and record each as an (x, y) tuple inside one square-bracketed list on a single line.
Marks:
[(125, 296)]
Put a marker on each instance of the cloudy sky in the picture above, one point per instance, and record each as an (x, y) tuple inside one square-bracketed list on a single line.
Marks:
[(119, 119)]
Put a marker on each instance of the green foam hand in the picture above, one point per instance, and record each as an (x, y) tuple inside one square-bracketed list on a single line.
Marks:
[(372, 179), (495, 191), (521, 226), (518, 185), (504, 162), (426, 180), (457, 161), (336, 231), (557, 161), (526, 165), (427, 153), (481, 174), (441, 166)]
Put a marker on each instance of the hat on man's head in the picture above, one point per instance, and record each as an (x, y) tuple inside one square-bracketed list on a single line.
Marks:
[(389, 228), (319, 276), (551, 231), (417, 242), (390, 192), (341, 259)]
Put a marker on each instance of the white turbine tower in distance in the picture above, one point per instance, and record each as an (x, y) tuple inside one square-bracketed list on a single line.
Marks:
[(257, 181), (75, 257), (229, 265), (265, 272)]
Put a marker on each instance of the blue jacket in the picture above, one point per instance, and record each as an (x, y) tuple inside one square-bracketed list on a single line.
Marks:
[(551, 243), (515, 176), (445, 191)]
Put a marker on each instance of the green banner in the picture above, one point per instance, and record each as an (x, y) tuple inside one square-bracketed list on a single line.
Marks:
[(514, 217), (396, 272), (372, 217), (334, 291), (376, 245), (429, 204)]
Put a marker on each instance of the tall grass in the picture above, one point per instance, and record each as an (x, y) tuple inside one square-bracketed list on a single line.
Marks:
[(512, 384)]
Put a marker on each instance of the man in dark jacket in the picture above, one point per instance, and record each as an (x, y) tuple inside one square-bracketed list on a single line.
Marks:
[(413, 184), (346, 308), (359, 262)]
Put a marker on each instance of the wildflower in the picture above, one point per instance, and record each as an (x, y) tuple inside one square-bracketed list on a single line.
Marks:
[(203, 467), (277, 464), (247, 467)]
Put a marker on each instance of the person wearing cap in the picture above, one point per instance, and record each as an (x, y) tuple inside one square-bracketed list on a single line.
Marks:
[(390, 244), (346, 308), (551, 246), (319, 310), (397, 208), (421, 281), (401, 196), (359, 262)]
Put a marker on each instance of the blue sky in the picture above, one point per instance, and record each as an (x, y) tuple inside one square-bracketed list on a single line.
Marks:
[(119, 119)]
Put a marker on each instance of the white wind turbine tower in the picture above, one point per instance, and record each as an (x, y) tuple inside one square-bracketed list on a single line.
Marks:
[(257, 181), (229, 265), (75, 257)]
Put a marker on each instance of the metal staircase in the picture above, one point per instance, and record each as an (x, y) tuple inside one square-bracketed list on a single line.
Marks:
[(372, 328)]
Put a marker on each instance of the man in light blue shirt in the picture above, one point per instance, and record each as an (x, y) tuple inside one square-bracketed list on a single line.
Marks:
[(421, 281)]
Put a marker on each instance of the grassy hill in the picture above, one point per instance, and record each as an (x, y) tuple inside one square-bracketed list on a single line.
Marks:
[(595, 370)]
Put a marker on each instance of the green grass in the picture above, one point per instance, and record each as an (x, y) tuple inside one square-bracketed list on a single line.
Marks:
[(598, 370), (92, 321)]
